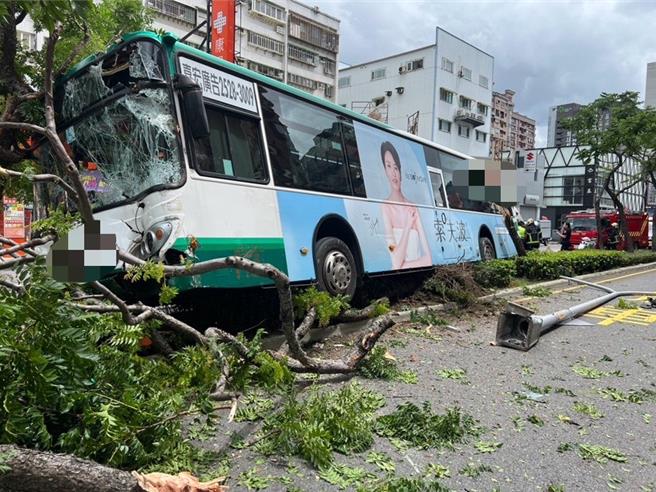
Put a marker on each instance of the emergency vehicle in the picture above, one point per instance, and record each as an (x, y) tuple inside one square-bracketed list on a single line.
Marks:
[(584, 224)]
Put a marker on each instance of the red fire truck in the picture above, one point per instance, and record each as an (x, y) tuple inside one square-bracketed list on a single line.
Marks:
[(584, 224)]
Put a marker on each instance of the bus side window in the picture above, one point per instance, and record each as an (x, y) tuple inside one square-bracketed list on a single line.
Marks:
[(438, 189), (233, 149), (305, 144), (353, 158)]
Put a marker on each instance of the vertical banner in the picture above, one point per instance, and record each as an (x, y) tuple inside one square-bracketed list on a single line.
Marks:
[(13, 219), (589, 186), (223, 29)]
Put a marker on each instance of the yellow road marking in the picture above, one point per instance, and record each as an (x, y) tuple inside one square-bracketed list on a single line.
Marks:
[(576, 287), (610, 315)]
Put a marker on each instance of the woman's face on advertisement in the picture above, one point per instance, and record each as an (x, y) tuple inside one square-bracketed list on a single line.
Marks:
[(392, 171)]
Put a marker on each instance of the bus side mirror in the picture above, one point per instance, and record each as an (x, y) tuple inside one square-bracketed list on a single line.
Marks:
[(194, 109)]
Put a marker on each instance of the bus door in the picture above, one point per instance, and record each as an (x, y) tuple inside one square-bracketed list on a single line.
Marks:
[(445, 248)]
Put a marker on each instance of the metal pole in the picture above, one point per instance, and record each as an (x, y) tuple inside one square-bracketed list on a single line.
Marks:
[(209, 26), (520, 329)]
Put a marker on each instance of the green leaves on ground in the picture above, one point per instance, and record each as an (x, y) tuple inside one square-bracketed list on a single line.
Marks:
[(588, 409), (592, 373), (487, 446), (380, 364), (457, 374), (323, 422), (601, 454), (343, 476), (422, 428)]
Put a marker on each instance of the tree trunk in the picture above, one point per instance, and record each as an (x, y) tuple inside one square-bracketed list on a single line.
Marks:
[(624, 226), (39, 471), (510, 225)]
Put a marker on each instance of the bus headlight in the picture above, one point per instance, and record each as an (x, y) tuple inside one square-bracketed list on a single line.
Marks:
[(155, 237)]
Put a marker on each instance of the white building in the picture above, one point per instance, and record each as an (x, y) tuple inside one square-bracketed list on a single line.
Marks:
[(442, 92), (650, 86), (286, 40)]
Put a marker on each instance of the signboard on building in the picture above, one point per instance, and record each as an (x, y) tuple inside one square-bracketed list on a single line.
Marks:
[(223, 29), (13, 218), (589, 186), (530, 160)]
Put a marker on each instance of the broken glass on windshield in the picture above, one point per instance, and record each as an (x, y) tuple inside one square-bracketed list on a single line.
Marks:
[(127, 143)]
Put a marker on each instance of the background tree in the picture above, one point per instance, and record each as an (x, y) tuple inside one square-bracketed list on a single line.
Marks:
[(605, 130), (644, 125)]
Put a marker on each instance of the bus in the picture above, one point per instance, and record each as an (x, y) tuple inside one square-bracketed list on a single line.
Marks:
[(186, 157)]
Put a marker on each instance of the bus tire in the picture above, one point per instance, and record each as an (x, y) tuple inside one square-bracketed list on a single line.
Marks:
[(336, 268), (487, 250)]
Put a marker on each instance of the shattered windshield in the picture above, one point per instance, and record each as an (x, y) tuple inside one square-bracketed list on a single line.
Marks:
[(120, 127)]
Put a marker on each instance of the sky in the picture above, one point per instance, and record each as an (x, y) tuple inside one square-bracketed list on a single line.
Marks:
[(550, 51)]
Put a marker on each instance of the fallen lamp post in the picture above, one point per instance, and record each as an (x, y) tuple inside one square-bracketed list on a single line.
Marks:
[(520, 329)]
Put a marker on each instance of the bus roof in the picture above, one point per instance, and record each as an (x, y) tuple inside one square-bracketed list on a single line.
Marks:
[(170, 41)]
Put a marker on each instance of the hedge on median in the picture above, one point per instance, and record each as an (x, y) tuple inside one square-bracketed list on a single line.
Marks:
[(538, 265)]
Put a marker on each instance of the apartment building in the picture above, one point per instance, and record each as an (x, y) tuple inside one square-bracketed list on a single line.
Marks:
[(442, 92), (285, 40), (510, 130), (650, 85), (557, 136)]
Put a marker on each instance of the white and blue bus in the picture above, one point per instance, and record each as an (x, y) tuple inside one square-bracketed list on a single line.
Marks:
[(183, 154)]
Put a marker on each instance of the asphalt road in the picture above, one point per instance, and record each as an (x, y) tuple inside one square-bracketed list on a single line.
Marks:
[(500, 392)]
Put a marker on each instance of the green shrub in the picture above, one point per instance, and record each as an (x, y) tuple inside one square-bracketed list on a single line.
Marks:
[(495, 273), (73, 382), (538, 265)]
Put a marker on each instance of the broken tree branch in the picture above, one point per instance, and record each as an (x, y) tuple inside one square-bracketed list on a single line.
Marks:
[(35, 471), (40, 178)]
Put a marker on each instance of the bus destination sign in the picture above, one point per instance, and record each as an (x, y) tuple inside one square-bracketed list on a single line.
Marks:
[(220, 86)]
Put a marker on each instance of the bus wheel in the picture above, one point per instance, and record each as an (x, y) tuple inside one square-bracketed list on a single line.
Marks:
[(487, 249), (336, 268)]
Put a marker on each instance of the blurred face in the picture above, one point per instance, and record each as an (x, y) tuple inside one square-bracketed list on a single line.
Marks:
[(392, 171)]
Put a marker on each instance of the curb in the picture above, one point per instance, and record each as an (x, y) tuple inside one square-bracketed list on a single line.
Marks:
[(317, 334)]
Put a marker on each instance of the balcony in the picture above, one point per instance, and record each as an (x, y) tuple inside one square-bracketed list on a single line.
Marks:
[(469, 117)]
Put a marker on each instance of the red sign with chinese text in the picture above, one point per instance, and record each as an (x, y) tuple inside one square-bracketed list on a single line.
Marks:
[(223, 29), (13, 218)]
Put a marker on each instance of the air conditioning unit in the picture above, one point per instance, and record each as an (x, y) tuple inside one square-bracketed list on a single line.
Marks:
[(280, 30), (402, 69)]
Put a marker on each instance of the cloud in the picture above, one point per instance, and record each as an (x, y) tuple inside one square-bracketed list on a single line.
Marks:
[(550, 52)]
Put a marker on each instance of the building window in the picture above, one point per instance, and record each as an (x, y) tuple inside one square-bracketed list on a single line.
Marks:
[(344, 82), (447, 65), (412, 65), (482, 109), (465, 103), (274, 73), (329, 91), (268, 9), (444, 125), (465, 73), (328, 66), (302, 82), (174, 9), (379, 73), (314, 34), (573, 189), (302, 55), (26, 39), (483, 81), (463, 131), (266, 43), (446, 95), (481, 136)]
